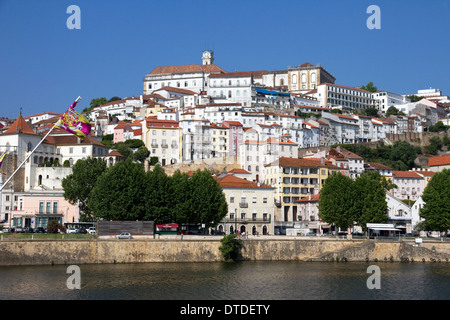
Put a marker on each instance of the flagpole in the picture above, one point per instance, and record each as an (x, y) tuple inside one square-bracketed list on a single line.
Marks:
[(29, 155)]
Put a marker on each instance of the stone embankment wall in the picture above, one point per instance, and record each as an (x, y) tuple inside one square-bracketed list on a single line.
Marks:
[(37, 252)]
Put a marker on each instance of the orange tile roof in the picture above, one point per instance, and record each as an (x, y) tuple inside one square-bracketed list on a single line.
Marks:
[(405, 174), (20, 126), (439, 160), (314, 198), (231, 181), (303, 162), (237, 170), (187, 68)]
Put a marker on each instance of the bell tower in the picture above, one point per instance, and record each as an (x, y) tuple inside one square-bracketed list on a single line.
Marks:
[(208, 57)]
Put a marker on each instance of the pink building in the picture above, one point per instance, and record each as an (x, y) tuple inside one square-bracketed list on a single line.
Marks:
[(122, 132), (235, 136), (34, 209)]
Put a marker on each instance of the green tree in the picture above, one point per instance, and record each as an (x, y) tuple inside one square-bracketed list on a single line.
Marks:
[(403, 152), (78, 185), (119, 193), (437, 127), (336, 202), (115, 98), (209, 205), (436, 196), (371, 112), (370, 199), (369, 87), (392, 111), (181, 197), (97, 102), (414, 98), (230, 247), (141, 154), (158, 196)]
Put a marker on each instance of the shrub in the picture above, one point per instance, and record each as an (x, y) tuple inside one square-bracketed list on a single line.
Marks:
[(54, 226), (231, 247)]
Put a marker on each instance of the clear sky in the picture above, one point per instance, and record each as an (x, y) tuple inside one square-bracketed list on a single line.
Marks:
[(44, 66)]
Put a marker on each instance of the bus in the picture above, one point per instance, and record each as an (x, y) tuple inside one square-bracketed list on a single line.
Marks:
[(80, 225), (191, 229), (166, 229)]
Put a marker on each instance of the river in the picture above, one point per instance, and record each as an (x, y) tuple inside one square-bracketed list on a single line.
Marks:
[(261, 280)]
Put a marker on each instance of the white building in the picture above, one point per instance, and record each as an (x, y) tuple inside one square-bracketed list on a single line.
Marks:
[(192, 77), (384, 99), (344, 97)]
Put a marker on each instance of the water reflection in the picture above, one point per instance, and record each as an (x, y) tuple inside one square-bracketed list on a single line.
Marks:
[(262, 280)]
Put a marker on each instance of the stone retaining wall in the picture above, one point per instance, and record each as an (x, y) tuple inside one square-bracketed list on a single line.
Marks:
[(37, 252)]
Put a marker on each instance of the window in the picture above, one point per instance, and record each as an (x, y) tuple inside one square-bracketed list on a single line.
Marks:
[(231, 199), (47, 209), (55, 207), (83, 150), (41, 206), (71, 150)]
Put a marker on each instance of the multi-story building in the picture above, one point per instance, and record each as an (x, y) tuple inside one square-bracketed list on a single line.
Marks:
[(410, 185), (343, 128), (192, 77), (307, 77), (233, 87), (345, 159), (163, 138), (343, 97), (255, 154), (385, 99), (308, 215), (294, 179), (250, 206)]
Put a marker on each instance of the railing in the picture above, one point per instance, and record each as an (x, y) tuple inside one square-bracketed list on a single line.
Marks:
[(243, 204)]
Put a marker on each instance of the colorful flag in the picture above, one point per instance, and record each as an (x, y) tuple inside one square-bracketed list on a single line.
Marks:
[(74, 122), (1, 160)]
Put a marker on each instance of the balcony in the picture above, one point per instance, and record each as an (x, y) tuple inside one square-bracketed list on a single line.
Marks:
[(154, 145), (243, 204), (164, 145)]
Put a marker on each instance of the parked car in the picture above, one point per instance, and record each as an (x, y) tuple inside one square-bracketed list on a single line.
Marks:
[(408, 235), (92, 230), (40, 230), (28, 230), (82, 231), (124, 235), (71, 230), (19, 229), (311, 234)]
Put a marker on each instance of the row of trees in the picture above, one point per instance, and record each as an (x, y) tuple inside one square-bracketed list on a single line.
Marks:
[(399, 156), (346, 202), (126, 192)]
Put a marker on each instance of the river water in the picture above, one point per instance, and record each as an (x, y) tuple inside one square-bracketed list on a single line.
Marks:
[(261, 280)]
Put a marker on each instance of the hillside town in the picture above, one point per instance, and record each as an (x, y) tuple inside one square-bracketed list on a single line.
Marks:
[(271, 138)]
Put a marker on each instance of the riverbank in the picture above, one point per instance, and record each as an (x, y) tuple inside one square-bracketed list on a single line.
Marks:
[(206, 249)]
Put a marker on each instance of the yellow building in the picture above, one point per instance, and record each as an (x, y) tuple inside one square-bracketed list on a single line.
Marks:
[(294, 179)]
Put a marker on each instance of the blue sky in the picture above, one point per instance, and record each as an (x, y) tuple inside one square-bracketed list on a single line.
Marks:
[(44, 66)]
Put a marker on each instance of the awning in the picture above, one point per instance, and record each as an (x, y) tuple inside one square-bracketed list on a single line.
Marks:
[(384, 229)]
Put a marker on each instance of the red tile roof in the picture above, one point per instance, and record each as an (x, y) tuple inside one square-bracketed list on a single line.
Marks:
[(314, 198), (405, 174), (20, 126), (439, 160), (188, 68), (231, 181)]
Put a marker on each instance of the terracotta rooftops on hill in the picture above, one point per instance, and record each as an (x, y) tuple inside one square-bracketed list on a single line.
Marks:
[(231, 181)]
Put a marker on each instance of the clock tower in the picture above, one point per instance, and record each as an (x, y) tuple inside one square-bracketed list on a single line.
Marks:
[(208, 57)]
